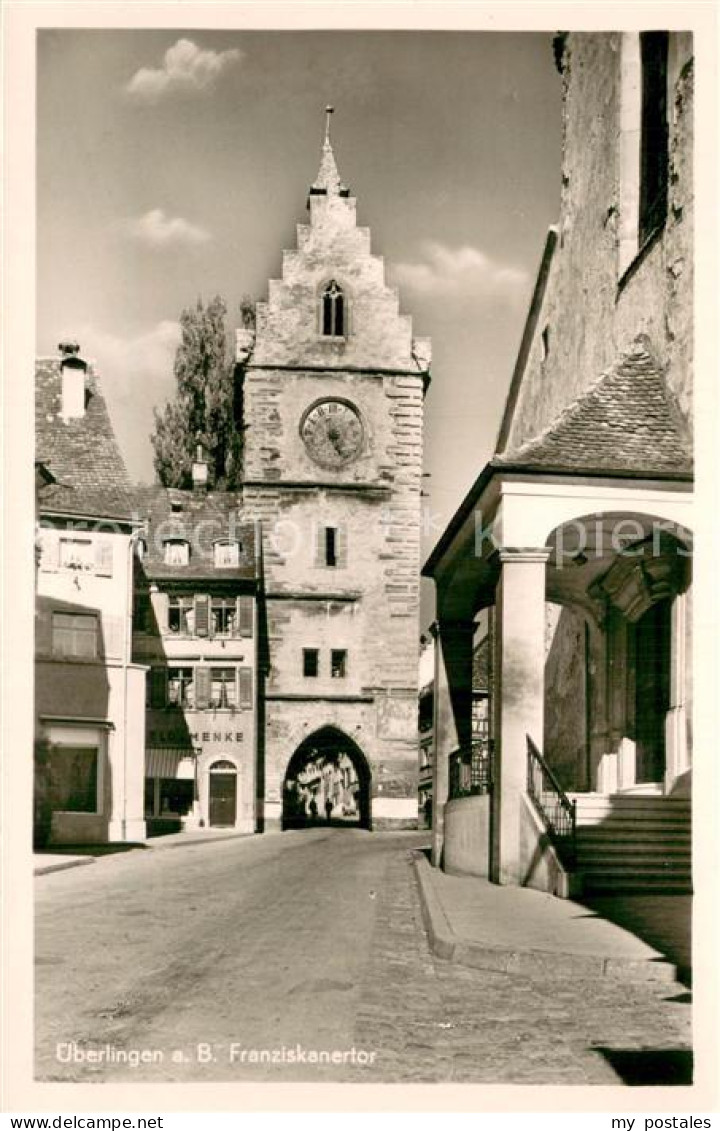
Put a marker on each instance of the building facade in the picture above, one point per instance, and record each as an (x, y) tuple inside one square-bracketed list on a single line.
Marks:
[(89, 694), (197, 628), (577, 536), (333, 388)]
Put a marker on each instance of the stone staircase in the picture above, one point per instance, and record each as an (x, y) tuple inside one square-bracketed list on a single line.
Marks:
[(633, 843)]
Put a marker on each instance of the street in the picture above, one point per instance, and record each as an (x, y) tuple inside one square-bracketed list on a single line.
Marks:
[(247, 959)]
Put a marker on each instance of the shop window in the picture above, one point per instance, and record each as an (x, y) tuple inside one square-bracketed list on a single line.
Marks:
[(176, 797), (223, 694), (338, 663), (310, 662), (333, 311), (181, 615), (75, 635), (176, 552), (180, 687), (224, 615), (227, 554), (74, 779)]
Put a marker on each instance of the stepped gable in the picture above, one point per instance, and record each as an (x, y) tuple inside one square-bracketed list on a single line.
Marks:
[(201, 518), (82, 455), (332, 248), (626, 422)]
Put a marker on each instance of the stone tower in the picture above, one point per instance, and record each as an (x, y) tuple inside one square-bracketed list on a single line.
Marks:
[(333, 388)]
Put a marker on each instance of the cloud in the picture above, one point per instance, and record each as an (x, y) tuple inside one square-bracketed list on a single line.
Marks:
[(444, 270), (186, 68), (159, 230)]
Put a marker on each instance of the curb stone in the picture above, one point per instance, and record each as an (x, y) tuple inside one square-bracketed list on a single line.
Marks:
[(62, 865), (445, 943)]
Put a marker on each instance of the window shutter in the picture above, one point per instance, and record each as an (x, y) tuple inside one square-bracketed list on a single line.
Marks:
[(202, 687), (341, 547), (319, 535), (158, 687), (50, 550), (104, 557), (245, 687), (202, 614), (245, 612)]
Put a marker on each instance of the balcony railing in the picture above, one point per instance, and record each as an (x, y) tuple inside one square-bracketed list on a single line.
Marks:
[(553, 805), (470, 771)]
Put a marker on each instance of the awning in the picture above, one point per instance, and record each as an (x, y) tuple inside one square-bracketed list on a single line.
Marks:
[(170, 762)]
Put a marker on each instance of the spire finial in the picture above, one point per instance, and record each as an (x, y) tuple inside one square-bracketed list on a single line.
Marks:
[(327, 182)]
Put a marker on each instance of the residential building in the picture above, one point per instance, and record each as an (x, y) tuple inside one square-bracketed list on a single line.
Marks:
[(333, 388), (89, 694), (198, 628), (577, 535)]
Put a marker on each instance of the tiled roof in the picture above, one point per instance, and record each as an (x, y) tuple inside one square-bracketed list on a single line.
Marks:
[(200, 518), (626, 422), (82, 455)]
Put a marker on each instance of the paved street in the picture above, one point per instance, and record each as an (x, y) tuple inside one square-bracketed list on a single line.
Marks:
[(198, 958)]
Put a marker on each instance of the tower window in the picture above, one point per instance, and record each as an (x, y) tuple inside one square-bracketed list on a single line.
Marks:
[(653, 133), (333, 311), (331, 557), (338, 663), (310, 663)]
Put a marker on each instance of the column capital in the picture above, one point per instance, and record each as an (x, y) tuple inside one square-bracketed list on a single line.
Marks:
[(524, 554)]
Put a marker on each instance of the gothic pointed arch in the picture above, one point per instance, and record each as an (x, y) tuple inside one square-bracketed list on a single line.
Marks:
[(327, 766)]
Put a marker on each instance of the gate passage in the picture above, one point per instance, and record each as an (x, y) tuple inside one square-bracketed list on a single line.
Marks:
[(327, 782)]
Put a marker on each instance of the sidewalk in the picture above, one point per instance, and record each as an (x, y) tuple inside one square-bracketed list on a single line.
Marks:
[(520, 931), (57, 858)]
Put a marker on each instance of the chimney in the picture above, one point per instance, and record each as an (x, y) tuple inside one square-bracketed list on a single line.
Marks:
[(73, 370), (200, 469)]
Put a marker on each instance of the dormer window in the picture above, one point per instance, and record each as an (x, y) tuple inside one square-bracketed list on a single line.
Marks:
[(333, 312), (227, 554), (177, 552)]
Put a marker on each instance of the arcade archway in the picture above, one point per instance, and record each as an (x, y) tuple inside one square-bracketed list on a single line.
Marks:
[(327, 783)]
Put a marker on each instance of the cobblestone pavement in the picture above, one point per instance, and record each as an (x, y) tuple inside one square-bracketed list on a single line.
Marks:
[(433, 1020), (311, 939)]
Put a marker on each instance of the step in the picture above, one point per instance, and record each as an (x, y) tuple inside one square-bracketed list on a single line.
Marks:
[(600, 834), (659, 883), (613, 853), (645, 821), (636, 804)]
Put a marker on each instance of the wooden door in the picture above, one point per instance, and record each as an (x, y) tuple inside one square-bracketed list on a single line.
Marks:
[(223, 799)]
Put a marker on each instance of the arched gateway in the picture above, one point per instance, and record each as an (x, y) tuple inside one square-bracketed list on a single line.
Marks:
[(327, 781)]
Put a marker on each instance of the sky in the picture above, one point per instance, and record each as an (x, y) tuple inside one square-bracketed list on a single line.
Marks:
[(175, 164)]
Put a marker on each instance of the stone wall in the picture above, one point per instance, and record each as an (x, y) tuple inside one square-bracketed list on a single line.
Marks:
[(565, 737), (594, 307), (368, 603)]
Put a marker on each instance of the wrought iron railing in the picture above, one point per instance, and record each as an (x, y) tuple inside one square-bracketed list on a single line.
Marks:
[(470, 771), (553, 805)]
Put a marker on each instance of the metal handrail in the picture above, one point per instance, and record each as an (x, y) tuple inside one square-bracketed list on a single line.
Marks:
[(558, 812)]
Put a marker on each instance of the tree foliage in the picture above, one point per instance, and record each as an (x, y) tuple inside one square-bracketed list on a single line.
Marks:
[(204, 409)]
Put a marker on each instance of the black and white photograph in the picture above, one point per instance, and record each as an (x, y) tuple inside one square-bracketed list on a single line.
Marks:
[(360, 743)]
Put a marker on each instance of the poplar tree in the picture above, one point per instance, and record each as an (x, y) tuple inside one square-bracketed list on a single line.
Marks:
[(203, 410)]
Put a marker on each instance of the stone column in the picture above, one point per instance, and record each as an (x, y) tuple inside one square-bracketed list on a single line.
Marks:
[(452, 712), (676, 745), (519, 673)]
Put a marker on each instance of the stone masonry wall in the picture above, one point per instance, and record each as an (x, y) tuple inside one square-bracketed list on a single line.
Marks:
[(592, 311), (368, 604)]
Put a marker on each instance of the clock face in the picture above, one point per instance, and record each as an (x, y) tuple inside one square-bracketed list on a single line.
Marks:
[(332, 433)]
